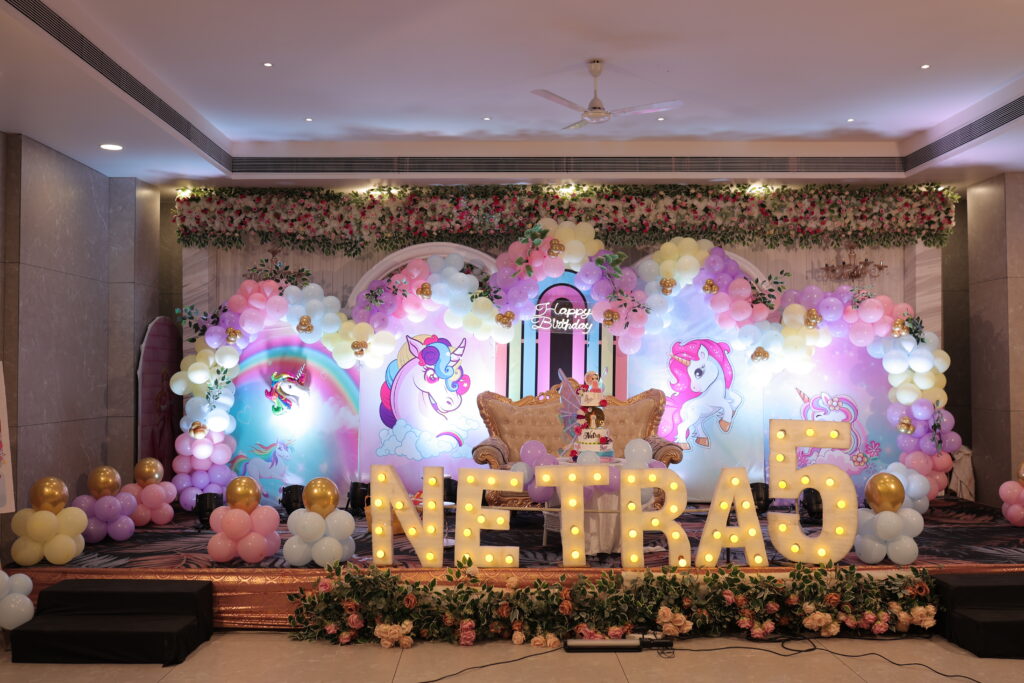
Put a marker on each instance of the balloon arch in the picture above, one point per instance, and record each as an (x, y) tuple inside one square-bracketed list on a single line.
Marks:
[(637, 310)]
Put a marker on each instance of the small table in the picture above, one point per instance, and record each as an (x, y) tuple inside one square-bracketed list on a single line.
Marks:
[(602, 525)]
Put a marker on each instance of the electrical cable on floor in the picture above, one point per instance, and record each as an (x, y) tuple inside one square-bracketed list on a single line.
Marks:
[(484, 666)]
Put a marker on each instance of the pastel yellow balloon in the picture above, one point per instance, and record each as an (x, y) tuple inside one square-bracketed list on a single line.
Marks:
[(243, 493), (71, 521), (19, 523), (148, 471), (42, 526), (103, 481), (59, 550), (321, 496), (883, 492), (26, 552), (48, 493)]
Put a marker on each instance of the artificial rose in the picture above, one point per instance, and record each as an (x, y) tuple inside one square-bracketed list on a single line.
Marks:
[(832, 599), (387, 643), (355, 621), (350, 606), (552, 640), (537, 641), (565, 607), (518, 638), (324, 585), (771, 607), (409, 600), (467, 637), (331, 629), (346, 637), (405, 642), (504, 609)]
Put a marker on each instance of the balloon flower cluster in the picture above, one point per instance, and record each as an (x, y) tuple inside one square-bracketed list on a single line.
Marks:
[(926, 442), (49, 528), (673, 266), (244, 528), (16, 607), (888, 526), (1012, 494), (201, 463), (321, 533), (108, 508), (152, 493)]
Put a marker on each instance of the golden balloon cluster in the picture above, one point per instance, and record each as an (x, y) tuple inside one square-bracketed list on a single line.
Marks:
[(231, 335), (48, 493), (812, 318), (197, 430), (760, 354), (610, 317), (243, 493), (905, 426), (305, 324), (148, 471), (899, 327), (321, 496), (883, 492), (104, 481), (424, 290), (710, 287), (667, 283), (359, 347), (556, 248), (505, 319)]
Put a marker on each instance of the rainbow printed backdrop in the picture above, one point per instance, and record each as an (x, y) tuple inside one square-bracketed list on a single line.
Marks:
[(318, 437)]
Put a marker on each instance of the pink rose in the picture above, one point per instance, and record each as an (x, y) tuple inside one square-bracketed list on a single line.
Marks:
[(467, 637), (537, 641), (324, 585), (518, 638), (768, 625), (552, 640), (387, 643), (331, 629), (771, 607), (355, 621), (616, 632), (744, 623), (757, 633), (728, 596), (467, 625), (405, 642), (346, 637), (879, 628), (409, 600)]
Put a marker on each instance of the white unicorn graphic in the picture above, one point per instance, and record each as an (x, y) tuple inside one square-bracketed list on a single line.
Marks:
[(702, 377)]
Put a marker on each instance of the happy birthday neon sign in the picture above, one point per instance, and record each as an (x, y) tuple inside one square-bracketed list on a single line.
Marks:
[(551, 316)]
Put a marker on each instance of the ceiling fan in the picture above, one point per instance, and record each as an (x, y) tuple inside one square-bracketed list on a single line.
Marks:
[(595, 112)]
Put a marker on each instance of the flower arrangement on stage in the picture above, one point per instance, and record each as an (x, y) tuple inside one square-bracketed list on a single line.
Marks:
[(362, 605), (488, 217)]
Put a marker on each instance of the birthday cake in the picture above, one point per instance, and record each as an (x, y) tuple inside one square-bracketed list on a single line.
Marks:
[(591, 434)]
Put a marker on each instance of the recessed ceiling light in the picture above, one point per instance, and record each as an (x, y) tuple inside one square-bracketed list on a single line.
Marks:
[(487, 118), (661, 118), (110, 147), (849, 120), (309, 120), (268, 64), (926, 66)]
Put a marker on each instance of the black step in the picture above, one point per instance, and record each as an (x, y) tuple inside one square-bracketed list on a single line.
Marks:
[(988, 632), (82, 639), (130, 597)]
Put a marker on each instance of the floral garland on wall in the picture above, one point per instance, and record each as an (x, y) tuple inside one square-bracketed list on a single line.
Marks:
[(489, 216), (360, 605)]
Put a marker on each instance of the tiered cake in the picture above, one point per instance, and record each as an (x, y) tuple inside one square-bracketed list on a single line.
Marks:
[(592, 435)]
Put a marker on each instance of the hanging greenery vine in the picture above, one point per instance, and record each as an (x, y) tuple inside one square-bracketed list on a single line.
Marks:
[(489, 216)]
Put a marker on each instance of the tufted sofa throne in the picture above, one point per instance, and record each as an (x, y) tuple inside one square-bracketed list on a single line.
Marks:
[(513, 423)]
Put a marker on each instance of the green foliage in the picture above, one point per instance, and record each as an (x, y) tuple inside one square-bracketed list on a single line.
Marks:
[(198, 321), (279, 271), (766, 291)]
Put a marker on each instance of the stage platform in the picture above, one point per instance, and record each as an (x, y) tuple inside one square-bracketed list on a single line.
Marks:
[(959, 536)]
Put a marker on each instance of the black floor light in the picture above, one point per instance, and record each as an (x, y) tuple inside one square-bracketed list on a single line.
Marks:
[(206, 503), (291, 498)]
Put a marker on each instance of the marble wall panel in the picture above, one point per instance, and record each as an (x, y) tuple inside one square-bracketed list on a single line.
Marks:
[(68, 450), (121, 267), (986, 230)]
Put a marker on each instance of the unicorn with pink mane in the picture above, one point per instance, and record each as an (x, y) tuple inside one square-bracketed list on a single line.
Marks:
[(839, 408), (701, 379), (424, 384), (286, 390)]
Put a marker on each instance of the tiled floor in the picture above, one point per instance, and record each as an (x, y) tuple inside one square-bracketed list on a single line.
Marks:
[(255, 657)]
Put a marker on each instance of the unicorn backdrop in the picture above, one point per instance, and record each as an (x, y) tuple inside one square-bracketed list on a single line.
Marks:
[(297, 414)]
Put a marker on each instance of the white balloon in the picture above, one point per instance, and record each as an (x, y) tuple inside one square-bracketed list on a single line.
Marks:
[(348, 549), (920, 504), (888, 525), (297, 552), (4, 580), (917, 486), (310, 528), (15, 609), (895, 362), (340, 525), (327, 551), (902, 550), (639, 448), (869, 550), (913, 522), (591, 458), (525, 469), (293, 519)]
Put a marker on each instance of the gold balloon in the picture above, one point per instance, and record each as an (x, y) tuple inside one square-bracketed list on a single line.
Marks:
[(243, 493), (321, 496), (884, 491), (104, 481), (148, 471), (50, 494)]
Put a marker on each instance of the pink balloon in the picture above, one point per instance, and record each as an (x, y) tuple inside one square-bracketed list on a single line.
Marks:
[(182, 464), (248, 287), (237, 303), (258, 301), (939, 482), (221, 548), (629, 344), (919, 462), (1010, 491), (265, 520), (850, 314), (1015, 515), (252, 320), (759, 312), (273, 540), (942, 462), (253, 547), (183, 444), (153, 496), (720, 302), (740, 310), (202, 448), (215, 437), (277, 306), (739, 288), (141, 516), (725, 321), (886, 303), (217, 517), (201, 465), (902, 310), (269, 288), (883, 326), (163, 514), (861, 334), (170, 490), (132, 488), (221, 454), (236, 524), (871, 310)]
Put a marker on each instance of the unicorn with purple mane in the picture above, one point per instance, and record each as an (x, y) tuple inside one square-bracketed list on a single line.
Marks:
[(266, 463), (424, 384), (286, 390), (839, 408), (701, 379)]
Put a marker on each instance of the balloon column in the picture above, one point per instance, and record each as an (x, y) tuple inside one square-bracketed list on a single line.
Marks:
[(152, 493), (108, 508), (243, 527), (321, 532), (201, 464), (15, 606), (888, 526), (48, 529), (1012, 494)]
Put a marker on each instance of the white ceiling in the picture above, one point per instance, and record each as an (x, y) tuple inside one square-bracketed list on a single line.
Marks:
[(410, 78)]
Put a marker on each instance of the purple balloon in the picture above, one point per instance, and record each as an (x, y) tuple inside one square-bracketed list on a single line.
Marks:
[(86, 503), (107, 509), (546, 459), (906, 443), (810, 296), (602, 289), (839, 328), (614, 478), (946, 421), (128, 502), (531, 450), (921, 428), (922, 409), (951, 442), (895, 412), (830, 309), (187, 498), (95, 531), (656, 464), (200, 479), (181, 481), (215, 336), (628, 279), (927, 445), (214, 488), (121, 529), (220, 474), (540, 494)]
